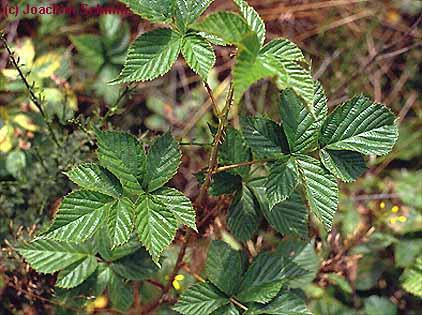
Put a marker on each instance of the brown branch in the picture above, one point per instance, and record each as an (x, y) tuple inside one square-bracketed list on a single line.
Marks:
[(212, 164), (237, 165)]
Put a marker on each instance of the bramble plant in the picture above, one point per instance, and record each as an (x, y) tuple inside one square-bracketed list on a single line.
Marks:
[(121, 221)]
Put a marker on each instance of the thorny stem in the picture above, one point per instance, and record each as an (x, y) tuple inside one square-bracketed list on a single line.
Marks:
[(33, 97), (213, 102), (212, 164)]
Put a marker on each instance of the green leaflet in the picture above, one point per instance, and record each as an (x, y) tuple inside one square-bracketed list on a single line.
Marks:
[(228, 26), (379, 305), (283, 49), (120, 292), (321, 189), (303, 262), (294, 76), (264, 278), (346, 165), (152, 10), (200, 299), (199, 54), (178, 204), (289, 217), (224, 267), (234, 150), (229, 309), (285, 303), (156, 225), (188, 11), (90, 48), (93, 177), (360, 125), (120, 221), (162, 162), (300, 126), (75, 274), (151, 55), (254, 20), (251, 67), (79, 215), (411, 278), (122, 155), (135, 266), (264, 136), (242, 217), (282, 180), (48, 256)]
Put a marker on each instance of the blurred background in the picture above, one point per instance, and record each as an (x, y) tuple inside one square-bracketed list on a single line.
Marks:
[(371, 263)]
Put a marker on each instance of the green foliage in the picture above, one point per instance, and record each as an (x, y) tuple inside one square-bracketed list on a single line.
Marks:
[(259, 286), (276, 178)]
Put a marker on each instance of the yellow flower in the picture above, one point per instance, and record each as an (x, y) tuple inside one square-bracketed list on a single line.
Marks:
[(100, 302), (382, 204), (176, 283), (402, 218), (395, 209), (393, 220)]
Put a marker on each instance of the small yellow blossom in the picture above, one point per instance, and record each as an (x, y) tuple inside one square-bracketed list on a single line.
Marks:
[(395, 209), (382, 204), (402, 218), (176, 283), (99, 303), (393, 220)]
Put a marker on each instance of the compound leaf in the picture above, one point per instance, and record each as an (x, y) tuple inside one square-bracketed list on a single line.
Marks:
[(156, 225), (94, 177), (163, 160), (151, 55), (79, 215), (178, 204), (199, 54), (346, 165), (360, 125), (200, 299), (321, 189), (48, 256)]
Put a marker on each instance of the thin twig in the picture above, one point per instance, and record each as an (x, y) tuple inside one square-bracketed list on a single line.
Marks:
[(237, 165), (33, 97), (212, 164)]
